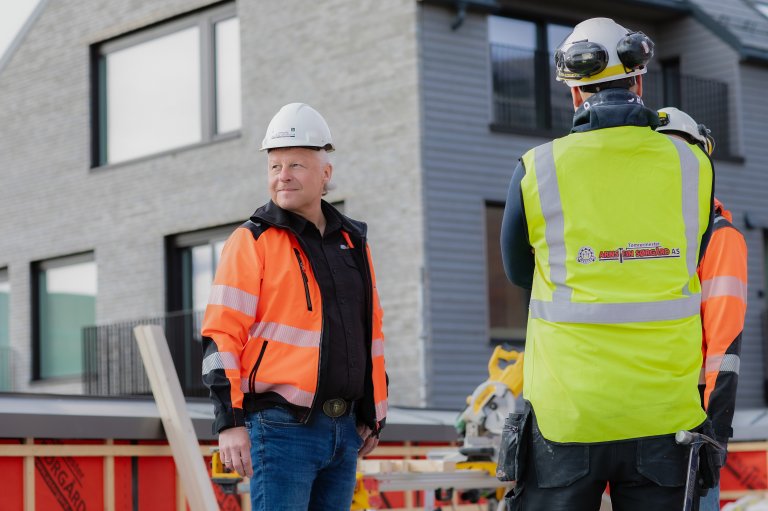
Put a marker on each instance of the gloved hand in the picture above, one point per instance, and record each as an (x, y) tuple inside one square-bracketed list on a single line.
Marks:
[(711, 460)]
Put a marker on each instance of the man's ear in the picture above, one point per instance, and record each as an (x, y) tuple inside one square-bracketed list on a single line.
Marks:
[(578, 99)]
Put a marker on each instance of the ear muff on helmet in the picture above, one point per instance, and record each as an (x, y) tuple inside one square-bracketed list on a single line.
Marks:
[(585, 58), (581, 60), (635, 50)]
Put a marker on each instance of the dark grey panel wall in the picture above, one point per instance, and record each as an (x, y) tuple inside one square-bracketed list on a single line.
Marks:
[(465, 165)]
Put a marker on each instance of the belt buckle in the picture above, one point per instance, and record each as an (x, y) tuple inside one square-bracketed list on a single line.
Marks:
[(335, 407)]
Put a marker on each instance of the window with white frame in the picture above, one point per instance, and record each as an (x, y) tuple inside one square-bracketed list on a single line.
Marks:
[(172, 85)]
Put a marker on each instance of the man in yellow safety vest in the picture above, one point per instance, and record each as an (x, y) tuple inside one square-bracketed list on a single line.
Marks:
[(606, 227)]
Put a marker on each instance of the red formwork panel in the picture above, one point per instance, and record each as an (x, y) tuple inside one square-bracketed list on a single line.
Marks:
[(745, 470), (12, 470), (69, 483), (76, 483)]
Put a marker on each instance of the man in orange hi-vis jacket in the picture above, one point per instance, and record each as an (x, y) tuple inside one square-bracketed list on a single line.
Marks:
[(723, 275), (292, 335)]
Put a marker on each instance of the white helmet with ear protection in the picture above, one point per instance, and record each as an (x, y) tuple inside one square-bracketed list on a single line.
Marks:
[(600, 50)]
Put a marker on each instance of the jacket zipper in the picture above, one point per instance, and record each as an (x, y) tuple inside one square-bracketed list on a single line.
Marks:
[(252, 376), (304, 278)]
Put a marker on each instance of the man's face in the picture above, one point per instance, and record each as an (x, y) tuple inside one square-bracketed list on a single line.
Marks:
[(297, 176)]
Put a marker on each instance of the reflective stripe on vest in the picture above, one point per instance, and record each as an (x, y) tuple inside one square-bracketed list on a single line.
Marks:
[(562, 309)]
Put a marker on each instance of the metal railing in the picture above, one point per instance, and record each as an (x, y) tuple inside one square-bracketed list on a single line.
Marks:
[(6, 369), (704, 100), (112, 364), (526, 95)]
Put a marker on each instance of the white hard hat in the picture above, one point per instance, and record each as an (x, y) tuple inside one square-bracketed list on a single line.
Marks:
[(600, 50), (297, 125), (674, 120)]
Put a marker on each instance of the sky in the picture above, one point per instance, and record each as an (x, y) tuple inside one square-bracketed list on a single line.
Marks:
[(13, 14)]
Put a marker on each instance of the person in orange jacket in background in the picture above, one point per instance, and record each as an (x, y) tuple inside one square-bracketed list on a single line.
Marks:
[(723, 275)]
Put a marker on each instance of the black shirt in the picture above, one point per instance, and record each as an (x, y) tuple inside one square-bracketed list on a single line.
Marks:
[(337, 271)]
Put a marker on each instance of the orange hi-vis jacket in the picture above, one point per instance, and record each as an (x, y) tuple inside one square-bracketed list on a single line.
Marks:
[(723, 275), (262, 331)]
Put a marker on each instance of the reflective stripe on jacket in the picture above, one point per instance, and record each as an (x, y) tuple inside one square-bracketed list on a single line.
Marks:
[(615, 217), (262, 329), (723, 274)]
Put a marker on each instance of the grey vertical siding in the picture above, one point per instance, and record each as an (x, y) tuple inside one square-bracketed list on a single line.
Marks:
[(464, 166)]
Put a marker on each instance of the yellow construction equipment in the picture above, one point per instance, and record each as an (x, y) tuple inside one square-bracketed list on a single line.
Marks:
[(225, 477), (482, 420)]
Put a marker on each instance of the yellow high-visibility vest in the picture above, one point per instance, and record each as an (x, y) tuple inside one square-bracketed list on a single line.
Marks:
[(613, 350)]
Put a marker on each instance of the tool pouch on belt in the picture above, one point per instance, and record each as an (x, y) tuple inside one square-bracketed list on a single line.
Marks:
[(514, 445)]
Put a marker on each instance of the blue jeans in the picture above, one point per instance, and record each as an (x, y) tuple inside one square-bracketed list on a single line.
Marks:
[(710, 502), (302, 466)]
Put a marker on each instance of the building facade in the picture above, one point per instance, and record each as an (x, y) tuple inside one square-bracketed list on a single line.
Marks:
[(129, 139)]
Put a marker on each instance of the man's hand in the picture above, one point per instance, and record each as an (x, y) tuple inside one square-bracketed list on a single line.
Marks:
[(369, 441), (235, 450)]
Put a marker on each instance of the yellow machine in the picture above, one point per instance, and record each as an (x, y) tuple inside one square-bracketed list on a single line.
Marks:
[(226, 478), (482, 421)]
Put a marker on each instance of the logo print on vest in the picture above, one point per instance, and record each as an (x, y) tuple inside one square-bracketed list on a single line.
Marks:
[(639, 252), (586, 255)]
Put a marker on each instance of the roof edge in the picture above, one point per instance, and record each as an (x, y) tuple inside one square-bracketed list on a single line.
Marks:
[(747, 53), (23, 31)]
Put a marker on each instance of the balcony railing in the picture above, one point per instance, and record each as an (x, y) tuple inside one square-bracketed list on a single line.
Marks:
[(112, 364), (526, 97)]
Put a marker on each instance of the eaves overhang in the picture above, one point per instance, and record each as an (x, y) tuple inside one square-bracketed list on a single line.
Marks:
[(649, 10)]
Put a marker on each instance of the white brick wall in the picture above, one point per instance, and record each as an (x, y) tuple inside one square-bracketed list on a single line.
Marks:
[(355, 61)]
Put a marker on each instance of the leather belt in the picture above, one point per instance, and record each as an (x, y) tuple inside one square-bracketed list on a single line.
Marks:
[(337, 407)]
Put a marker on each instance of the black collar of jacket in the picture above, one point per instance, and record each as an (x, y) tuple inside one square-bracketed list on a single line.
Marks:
[(272, 214), (611, 108)]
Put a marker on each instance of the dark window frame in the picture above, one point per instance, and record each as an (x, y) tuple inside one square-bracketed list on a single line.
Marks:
[(515, 342), (541, 78), (205, 19), (175, 246), (36, 268)]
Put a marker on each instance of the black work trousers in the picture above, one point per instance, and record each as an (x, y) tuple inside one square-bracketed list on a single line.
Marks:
[(646, 474)]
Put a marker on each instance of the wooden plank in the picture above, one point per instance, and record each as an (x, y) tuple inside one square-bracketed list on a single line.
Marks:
[(747, 446), (109, 481), (407, 451), (90, 450), (737, 494), (392, 466), (181, 501), (176, 422), (29, 479)]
